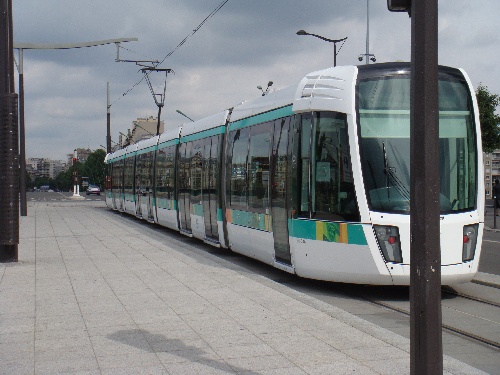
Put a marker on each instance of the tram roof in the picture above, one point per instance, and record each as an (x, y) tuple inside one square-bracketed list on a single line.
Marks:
[(210, 122), (262, 104)]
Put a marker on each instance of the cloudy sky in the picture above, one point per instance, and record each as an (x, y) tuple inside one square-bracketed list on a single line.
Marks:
[(245, 44)]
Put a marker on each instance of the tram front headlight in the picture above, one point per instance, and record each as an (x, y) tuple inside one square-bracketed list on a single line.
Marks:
[(389, 242), (470, 241)]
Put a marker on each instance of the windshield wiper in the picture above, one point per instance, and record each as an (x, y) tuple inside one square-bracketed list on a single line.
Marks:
[(390, 177)]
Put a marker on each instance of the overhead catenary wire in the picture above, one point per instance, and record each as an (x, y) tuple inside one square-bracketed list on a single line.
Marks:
[(183, 41)]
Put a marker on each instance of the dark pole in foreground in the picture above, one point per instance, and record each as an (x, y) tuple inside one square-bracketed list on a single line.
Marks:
[(108, 127), (426, 347), (22, 141), (9, 146)]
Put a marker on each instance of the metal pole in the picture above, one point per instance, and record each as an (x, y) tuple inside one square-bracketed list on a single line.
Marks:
[(426, 352), (495, 208), (367, 32), (334, 54), (10, 49), (108, 127), (22, 139), (158, 124), (9, 142)]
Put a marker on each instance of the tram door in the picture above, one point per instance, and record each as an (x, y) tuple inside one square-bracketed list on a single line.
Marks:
[(210, 188), (184, 187), (279, 166)]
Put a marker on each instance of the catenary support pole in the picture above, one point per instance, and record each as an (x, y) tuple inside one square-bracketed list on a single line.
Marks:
[(9, 142), (426, 352)]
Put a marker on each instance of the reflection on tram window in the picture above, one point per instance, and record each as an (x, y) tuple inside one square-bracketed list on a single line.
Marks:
[(332, 184), (384, 121), (238, 145), (258, 167)]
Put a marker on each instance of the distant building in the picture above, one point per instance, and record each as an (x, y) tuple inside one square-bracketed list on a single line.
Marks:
[(491, 171), (81, 153), (41, 167), (142, 128)]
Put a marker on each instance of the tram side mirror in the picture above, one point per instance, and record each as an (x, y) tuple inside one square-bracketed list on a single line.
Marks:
[(399, 6)]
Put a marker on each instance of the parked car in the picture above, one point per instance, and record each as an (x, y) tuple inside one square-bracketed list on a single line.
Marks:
[(93, 189)]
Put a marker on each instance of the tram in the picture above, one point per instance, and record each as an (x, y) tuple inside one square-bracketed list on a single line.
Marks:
[(314, 179)]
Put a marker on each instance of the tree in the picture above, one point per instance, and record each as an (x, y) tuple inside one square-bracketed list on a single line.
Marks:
[(64, 180), (94, 168), (490, 121)]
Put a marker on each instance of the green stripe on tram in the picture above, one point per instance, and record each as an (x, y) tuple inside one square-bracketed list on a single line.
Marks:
[(172, 142), (263, 117), (146, 150), (348, 233), (204, 134), (165, 203)]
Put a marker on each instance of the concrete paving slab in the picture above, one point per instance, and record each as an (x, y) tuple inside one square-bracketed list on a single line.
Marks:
[(96, 292)]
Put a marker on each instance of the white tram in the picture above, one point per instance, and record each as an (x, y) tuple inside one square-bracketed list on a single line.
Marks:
[(314, 179)]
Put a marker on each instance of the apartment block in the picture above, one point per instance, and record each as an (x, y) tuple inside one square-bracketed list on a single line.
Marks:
[(491, 171)]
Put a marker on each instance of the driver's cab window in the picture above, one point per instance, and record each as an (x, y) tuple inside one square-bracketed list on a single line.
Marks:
[(327, 186)]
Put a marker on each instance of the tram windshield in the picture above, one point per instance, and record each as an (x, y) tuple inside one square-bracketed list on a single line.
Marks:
[(384, 129)]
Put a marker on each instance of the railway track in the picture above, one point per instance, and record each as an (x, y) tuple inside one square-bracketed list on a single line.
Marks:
[(492, 309)]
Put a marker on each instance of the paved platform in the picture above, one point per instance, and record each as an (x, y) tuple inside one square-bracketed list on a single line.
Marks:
[(96, 293)]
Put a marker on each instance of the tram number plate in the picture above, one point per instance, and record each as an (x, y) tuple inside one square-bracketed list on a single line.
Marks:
[(301, 240)]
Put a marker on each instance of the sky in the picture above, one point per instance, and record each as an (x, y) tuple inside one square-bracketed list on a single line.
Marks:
[(244, 45)]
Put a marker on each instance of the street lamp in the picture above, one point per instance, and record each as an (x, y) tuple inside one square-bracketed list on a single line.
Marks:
[(367, 55), (334, 41), (183, 114), (266, 91), (20, 67)]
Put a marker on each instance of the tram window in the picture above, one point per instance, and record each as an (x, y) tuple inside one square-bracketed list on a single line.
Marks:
[(184, 180), (143, 176), (258, 167), (238, 150), (161, 156), (128, 175), (196, 171), (117, 177), (305, 150), (148, 169), (165, 172), (384, 122), (170, 171), (332, 185)]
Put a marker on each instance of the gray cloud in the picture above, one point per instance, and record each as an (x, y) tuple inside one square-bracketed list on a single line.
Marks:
[(244, 45)]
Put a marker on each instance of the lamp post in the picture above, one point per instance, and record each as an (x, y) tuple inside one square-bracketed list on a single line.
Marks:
[(47, 46), (183, 114), (367, 55), (334, 41)]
